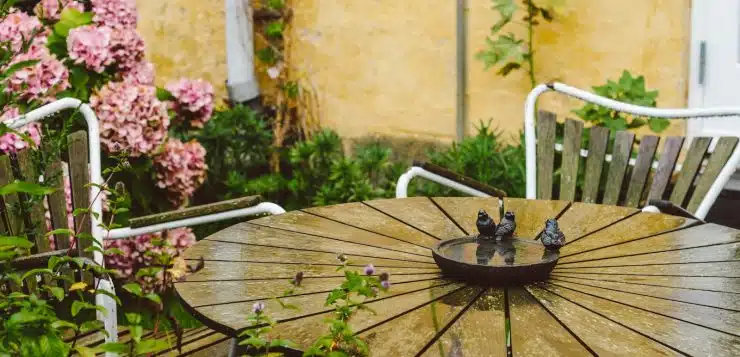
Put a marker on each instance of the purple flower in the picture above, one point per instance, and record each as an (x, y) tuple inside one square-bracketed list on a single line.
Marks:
[(369, 269), (258, 307), (386, 284)]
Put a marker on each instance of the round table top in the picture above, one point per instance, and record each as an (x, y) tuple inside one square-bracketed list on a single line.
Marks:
[(627, 282)]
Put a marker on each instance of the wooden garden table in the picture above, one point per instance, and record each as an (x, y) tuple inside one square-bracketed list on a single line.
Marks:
[(627, 282)]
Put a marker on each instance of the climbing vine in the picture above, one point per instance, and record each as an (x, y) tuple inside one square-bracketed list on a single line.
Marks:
[(507, 51), (289, 92)]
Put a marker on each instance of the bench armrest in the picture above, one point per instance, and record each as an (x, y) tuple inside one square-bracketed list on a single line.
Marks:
[(195, 211), (672, 209), (464, 180)]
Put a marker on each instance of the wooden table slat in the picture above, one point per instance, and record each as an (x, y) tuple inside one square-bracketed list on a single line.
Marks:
[(684, 336), (600, 334), (421, 213), (535, 332)]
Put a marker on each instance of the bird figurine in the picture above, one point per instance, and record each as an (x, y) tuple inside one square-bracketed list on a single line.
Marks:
[(552, 237), (507, 226), (486, 225)]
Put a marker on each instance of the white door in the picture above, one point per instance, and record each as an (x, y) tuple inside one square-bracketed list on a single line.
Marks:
[(715, 67), (715, 63)]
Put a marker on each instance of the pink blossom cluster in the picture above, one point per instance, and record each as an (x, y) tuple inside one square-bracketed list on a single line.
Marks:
[(11, 142), (135, 250), (142, 73), (117, 14), (132, 119), (127, 48), (180, 169), (41, 81), (51, 9), (91, 46), (194, 100), (18, 26)]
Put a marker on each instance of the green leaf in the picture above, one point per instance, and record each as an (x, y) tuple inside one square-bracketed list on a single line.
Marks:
[(86, 351), (17, 67), (150, 271), (88, 326), (57, 292), (133, 288), (151, 346), (71, 18), (164, 95), (506, 69), (16, 242), (79, 211), (26, 187), (337, 353), (120, 210), (153, 297), (133, 318), (61, 324), (35, 272), (254, 341), (506, 10), (110, 294), (504, 48), (115, 347), (61, 231), (283, 343), (657, 125), (78, 306), (274, 29)]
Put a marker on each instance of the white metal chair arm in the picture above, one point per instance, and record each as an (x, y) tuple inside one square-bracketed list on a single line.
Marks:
[(403, 183), (262, 208)]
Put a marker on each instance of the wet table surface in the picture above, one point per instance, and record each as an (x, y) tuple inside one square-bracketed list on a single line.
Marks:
[(626, 283)]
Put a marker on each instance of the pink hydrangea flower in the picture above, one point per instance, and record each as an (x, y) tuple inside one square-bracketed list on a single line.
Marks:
[(194, 100), (41, 81), (127, 48), (18, 26), (91, 46), (10, 142), (180, 169), (132, 119), (141, 73), (51, 9), (134, 255), (117, 14)]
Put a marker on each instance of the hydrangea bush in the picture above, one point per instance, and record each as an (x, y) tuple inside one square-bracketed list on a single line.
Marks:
[(91, 50)]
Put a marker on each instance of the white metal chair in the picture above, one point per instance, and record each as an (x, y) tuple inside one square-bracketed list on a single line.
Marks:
[(706, 201), (155, 223)]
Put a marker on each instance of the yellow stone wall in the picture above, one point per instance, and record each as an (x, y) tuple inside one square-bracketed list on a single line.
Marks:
[(185, 38), (388, 66)]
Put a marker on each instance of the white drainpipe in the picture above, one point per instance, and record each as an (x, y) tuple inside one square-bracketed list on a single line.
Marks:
[(241, 83)]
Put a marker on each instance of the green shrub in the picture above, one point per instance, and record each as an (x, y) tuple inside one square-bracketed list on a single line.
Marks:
[(487, 158), (628, 89)]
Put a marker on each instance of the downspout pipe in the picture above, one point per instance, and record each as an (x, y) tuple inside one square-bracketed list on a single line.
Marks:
[(461, 105), (241, 81)]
